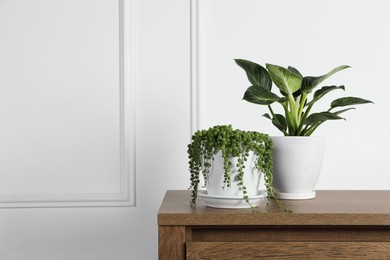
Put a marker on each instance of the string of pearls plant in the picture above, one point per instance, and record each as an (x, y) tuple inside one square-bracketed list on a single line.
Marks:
[(233, 143)]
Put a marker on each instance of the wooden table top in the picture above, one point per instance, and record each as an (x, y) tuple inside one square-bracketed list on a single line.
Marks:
[(330, 207)]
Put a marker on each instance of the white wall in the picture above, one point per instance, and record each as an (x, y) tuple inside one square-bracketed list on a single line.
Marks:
[(163, 130), (314, 37), (66, 103)]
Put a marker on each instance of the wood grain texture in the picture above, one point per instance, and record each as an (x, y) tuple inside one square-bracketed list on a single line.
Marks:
[(296, 234), (328, 208), (288, 250), (171, 242), (335, 225)]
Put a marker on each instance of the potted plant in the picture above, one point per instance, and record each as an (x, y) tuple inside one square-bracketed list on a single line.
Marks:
[(297, 155), (232, 162)]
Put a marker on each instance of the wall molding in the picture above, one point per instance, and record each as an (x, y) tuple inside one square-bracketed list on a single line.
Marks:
[(126, 196), (198, 65)]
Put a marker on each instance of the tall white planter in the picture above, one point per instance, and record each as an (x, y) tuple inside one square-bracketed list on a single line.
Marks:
[(297, 162)]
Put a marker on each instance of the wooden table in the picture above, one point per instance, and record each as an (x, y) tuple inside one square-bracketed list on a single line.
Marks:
[(334, 225)]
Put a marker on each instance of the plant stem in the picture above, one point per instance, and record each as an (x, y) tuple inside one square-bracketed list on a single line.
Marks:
[(288, 118), (272, 112), (273, 117), (302, 104), (293, 110), (303, 119), (312, 129)]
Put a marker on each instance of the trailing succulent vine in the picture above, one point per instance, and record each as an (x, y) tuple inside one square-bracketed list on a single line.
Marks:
[(233, 143)]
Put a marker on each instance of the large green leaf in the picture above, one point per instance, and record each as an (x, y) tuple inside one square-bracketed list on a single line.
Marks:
[(279, 121), (294, 70), (267, 116), (282, 100), (349, 101), (284, 79), (321, 117), (343, 110), (309, 83), (260, 95), (295, 94), (322, 92), (257, 75)]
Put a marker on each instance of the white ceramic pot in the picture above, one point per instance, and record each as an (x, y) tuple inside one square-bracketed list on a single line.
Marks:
[(215, 185), (297, 162)]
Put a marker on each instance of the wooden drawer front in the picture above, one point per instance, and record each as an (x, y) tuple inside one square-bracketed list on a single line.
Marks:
[(288, 250)]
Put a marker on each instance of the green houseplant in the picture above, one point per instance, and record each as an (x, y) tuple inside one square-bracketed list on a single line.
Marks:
[(297, 156), (294, 98), (230, 144)]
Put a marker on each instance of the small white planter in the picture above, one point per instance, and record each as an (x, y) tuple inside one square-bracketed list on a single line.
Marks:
[(215, 185), (297, 165), (218, 195)]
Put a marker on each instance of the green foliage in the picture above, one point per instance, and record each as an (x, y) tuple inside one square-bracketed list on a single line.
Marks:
[(233, 143), (295, 88)]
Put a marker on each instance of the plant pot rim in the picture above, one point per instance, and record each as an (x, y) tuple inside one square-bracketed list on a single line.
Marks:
[(297, 137)]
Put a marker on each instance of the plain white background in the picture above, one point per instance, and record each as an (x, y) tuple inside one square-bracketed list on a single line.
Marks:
[(59, 96), (313, 36)]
